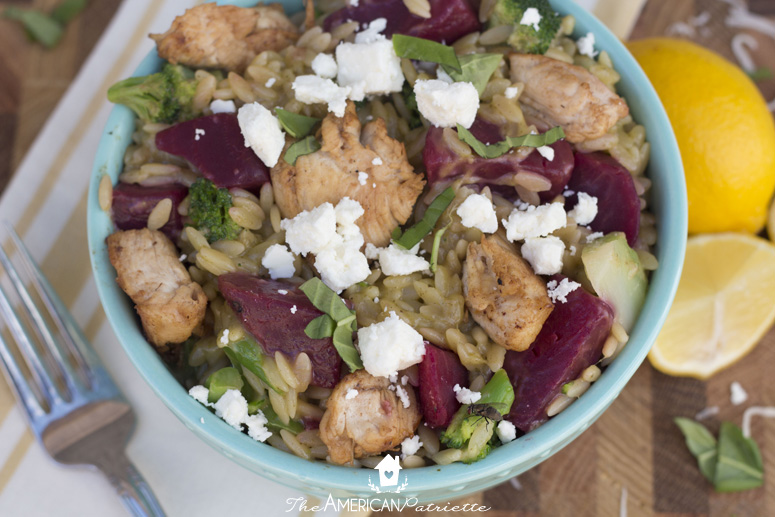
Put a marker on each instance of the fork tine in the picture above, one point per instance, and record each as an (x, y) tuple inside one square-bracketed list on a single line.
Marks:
[(19, 383), (69, 375)]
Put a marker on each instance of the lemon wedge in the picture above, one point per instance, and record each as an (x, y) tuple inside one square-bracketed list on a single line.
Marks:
[(724, 304)]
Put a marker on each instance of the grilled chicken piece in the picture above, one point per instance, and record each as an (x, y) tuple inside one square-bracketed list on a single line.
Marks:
[(373, 421), (503, 294), (391, 186), (168, 302), (225, 36), (559, 94)]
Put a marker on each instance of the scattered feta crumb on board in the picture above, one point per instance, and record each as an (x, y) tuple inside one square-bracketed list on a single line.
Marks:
[(737, 394)]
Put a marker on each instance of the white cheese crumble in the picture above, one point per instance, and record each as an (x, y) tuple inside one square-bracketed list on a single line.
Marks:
[(544, 254), (466, 396), (200, 394), (201, 420), (445, 104), (594, 236), (371, 32), (585, 210), (279, 261), (232, 408), (282, 291), (477, 212), (224, 339), (506, 431), (404, 379), (199, 133), (324, 65), (372, 252), (511, 92), (572, 250), (531, 16), (353, 3), (376, 161), (257, 427), (527, 221), (568, 193), (393, 377), (403, 396), (311, 89), (262, 132), (221, 106), (294, 309), (351, 394), (363, 178), (270, 82), (737, 394), (410, 446), (369, 68), (562, 290), (546, 151), (389, 346), (586, 45), (707, 412), (182, 257), (442, 75), (311, 231), (395, 261)]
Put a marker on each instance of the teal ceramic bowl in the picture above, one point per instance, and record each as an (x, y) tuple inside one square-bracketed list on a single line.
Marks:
[(434, 483)]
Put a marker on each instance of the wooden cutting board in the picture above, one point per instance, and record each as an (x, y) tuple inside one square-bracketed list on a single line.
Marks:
[(634, 449)]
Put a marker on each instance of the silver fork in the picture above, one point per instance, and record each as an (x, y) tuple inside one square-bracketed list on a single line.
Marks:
[(73, 407)]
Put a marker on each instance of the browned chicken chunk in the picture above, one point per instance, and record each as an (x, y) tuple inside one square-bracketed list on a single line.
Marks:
[(503, 294), (560, 94), (168, 302), (388, 186), (373, 421), (225, 36)]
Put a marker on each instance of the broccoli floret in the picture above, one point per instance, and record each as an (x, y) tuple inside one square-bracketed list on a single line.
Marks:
[(209, 211), (161, 97), (472, 433), (526, 38)]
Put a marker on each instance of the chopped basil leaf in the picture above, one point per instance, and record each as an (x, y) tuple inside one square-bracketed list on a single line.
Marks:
[(476, 69), (435, 250), (425, 50), (298, 126), (68, 10), (739, 464), (248, 354), (412, 236), (343, 342), (307, 146), (501, 148), (39, 27), (321, 327), (325, 299), (701, 444)]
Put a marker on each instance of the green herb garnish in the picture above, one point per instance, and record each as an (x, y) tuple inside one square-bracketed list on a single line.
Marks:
[(760, 74), (298, 126), (732, 464), (412, 236), (426, 50), (248, 354), (435, 250), (476, 69), (501, 148), (307, 146), (338, 321), (67, 10), (40, 27), (220, 381)]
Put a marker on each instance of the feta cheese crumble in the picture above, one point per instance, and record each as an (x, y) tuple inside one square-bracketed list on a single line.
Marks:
[(546, 151), (279, 261), (200, 394), (369, 68), (511, 92), (363, 178), (562, 290), (531, 16), (445, 104), (324, 65), (442, 75), (270, 82), (232, 408), (586, 45), (262, 132), (737, 394), (311, 89), (224, 339), (199, 133), (376, 161), (507, 432), (466, 396), (311, 231), (257, 427), (371, 32), (410, 446), (390, 346), (527, 221), (544, 254), (294, 309), (395, 261), (477, 212), (351, 394), (594, 236), (221, 106), (585, 210), (282, 291), (372, 252), (403, 396)]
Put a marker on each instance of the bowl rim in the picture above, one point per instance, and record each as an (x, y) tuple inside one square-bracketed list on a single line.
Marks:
[(523, 453)]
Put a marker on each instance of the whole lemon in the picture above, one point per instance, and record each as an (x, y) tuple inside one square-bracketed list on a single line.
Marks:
[(724, 130)]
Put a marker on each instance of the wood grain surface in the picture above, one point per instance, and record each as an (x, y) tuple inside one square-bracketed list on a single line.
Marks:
[(634, 453)]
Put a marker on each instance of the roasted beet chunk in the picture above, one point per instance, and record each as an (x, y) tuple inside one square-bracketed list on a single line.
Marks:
[(214, 145), (449, 21), (443, 164), (438, 373), (269, 316), (618, 206), (570, 341), (132, 204)]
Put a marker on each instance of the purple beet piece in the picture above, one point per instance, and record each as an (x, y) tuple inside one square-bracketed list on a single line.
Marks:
[(449, 21), (443, 164), (438, 373), (570, 341), (267, 315), (618, 205), (310, 423), (215, 146), (132, 204)]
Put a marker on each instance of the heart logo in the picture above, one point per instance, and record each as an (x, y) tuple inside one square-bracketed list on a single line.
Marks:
[(389, 474)]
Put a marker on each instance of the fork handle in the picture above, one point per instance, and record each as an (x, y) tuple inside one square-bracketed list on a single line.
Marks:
[(136, 496)]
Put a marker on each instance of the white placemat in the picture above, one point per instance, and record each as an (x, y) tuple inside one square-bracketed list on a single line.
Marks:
[(46, 203)]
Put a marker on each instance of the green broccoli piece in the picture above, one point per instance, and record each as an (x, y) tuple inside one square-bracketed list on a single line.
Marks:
[(209, 211), (526, 38), (473, 433), (161, 97)]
